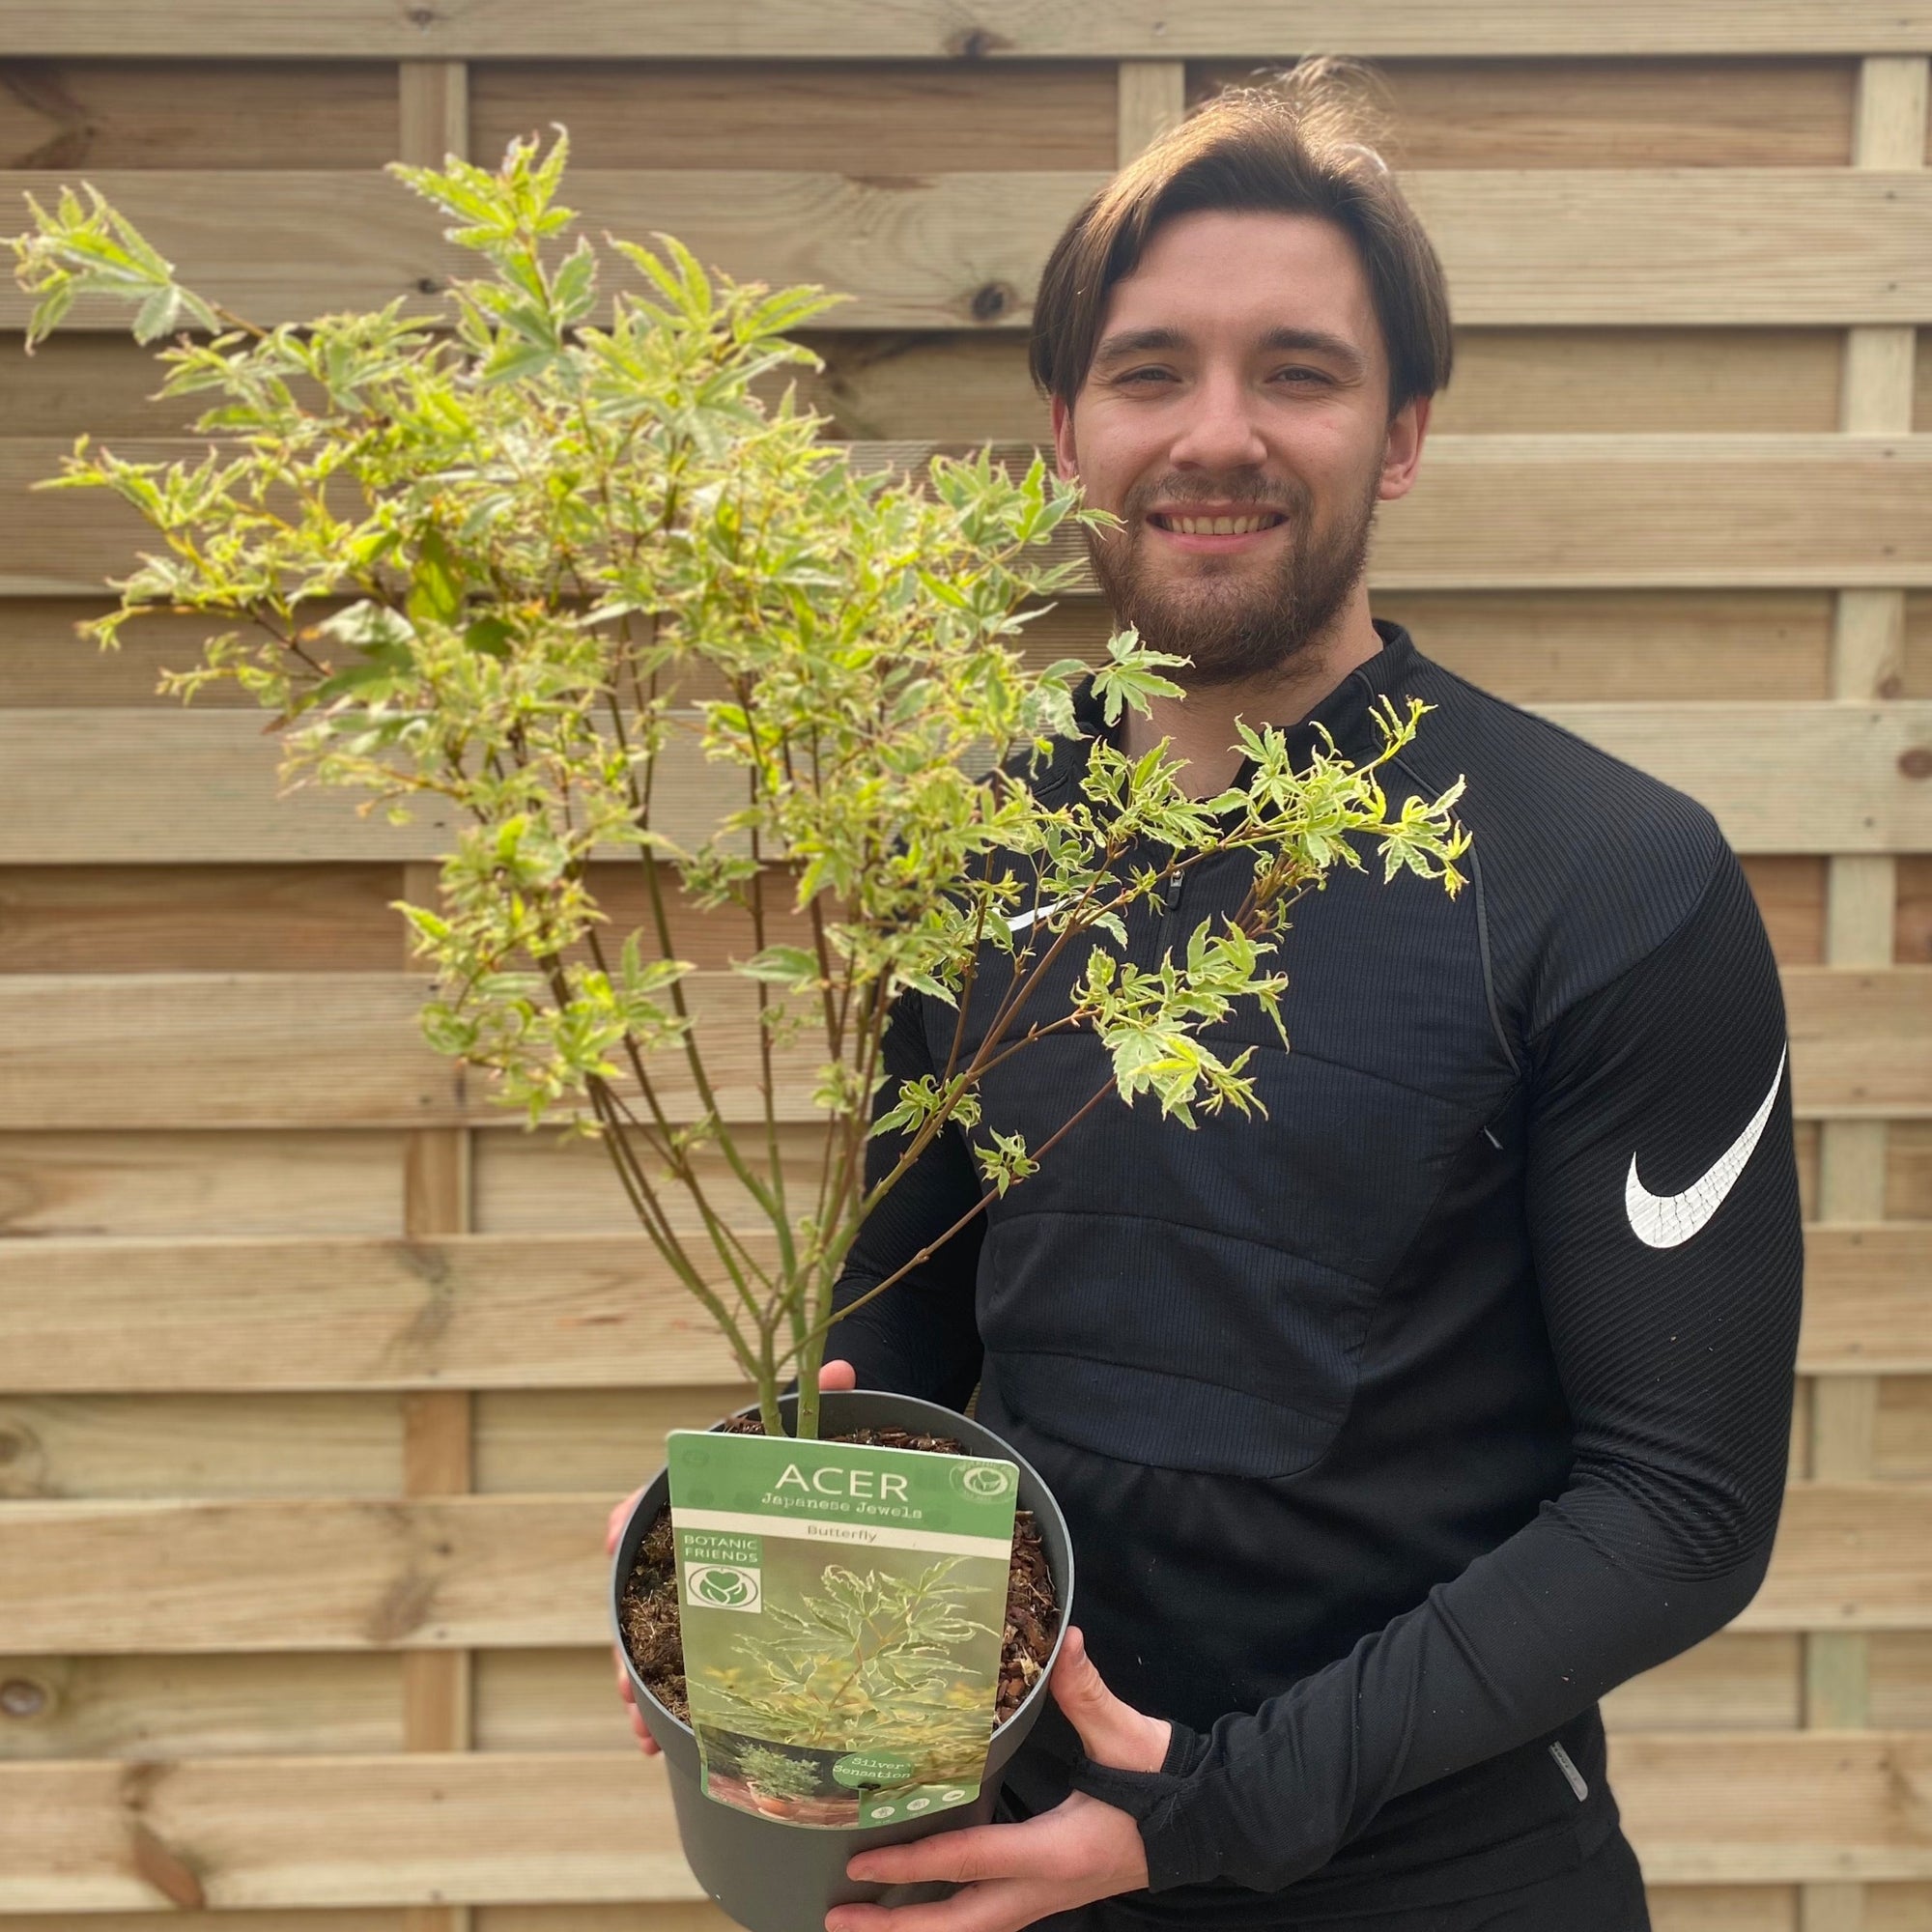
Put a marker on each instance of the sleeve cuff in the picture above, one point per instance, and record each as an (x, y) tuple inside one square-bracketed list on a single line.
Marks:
[(1178, 1852)]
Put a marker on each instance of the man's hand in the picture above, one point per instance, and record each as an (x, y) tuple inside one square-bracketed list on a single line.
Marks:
[(1014, 1874), (831, 1376)]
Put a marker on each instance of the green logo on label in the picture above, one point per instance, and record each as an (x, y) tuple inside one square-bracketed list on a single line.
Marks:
[(858, 1769), (984, 1482), (719, 1586), (921, 1798)]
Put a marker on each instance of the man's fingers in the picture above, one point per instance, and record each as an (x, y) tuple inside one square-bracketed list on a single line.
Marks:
[(1111, 1732), (838, 1376), (967, 1856), (619, 1516), (1003, 1905)]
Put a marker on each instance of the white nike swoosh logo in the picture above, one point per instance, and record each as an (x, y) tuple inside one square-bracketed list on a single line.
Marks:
[(1669, 1220), (1026, 919)]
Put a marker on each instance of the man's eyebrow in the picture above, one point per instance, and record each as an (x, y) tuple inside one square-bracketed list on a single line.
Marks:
[(1130, 342), (1138, 342), (1318, 342)]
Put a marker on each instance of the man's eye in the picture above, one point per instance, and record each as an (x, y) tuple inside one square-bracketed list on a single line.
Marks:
[(1305, 376), (1147, 376)]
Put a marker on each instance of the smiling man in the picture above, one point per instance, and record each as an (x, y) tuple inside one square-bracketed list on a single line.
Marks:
[(1396, 1428)]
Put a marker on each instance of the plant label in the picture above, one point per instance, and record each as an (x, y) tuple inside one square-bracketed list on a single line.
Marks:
[(843, 1607)]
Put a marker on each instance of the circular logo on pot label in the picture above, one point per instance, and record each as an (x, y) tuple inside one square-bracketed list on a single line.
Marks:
[(858, 1769), (985, 1482), (883, 1809), (721, 1586)]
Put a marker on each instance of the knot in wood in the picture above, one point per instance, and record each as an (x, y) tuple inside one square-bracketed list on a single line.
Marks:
[(428, 285), (1917, 762), (22, 1697), (977, 43), (422, 18), (990, 303)]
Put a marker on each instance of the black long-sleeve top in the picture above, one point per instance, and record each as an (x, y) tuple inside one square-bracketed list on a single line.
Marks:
[(1395, 1429)]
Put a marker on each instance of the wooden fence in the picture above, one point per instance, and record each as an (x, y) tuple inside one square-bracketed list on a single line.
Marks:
[(317, 1377)]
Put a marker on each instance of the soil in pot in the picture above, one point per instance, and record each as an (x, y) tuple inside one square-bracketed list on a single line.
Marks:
[(656, 1645)]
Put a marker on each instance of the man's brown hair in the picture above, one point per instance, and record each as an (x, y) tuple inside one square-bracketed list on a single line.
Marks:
[(1303, 145)]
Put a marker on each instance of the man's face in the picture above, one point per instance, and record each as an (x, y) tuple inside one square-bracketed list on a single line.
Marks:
[(1236, 418)]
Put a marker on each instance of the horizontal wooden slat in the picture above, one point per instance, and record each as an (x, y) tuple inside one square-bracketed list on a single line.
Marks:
[(210, 114), (281, 1705), (274, 1705), (934, 29), (1902, 1445), (597, 1826), (174, 1183), (1744, 762), (1860, 1043), (454, 1572), (349, 1443), (578, 1311), (479, 1310), (971, 386), (192, 788), (1867, 1300), (1717, 247), (1849, 1556), (422, 1829), (250, 919), (310, 1049), (1605, 113), (958, 388), (1528, 647), (1489, 513), (305, 1050), (472, 1572), (876, 118), (1751, 1809), (1735, 1680)]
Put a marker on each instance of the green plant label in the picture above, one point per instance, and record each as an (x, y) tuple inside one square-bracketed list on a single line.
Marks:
[(841, 1607)]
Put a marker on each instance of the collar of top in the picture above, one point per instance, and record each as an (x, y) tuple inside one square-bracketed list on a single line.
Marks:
[(1347, 714)]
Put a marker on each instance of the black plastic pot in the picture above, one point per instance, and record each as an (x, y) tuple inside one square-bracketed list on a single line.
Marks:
[(772, 1876)]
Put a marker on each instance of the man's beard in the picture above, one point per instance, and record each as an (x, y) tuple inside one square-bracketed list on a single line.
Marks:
[(1229, 623)]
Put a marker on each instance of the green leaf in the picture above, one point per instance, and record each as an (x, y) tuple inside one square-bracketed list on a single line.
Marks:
[(782, 965), (436, 590)]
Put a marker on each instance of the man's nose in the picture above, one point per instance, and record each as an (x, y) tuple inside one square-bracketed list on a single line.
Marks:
[(1221, 430)]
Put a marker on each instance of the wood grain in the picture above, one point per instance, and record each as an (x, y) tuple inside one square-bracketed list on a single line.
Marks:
[(1692, 247), (1490, 513), (309, 1050), (1602, 113), (419, 1829), (971, 387), (1866, 1310), (527, 1571), (432, 1573), (558, 1310), (481, 1311), (866, 30), (140, 770), (172, 1184), (160, 1445), (254, 115), (198, 918), (597, 1827), (879, 118)]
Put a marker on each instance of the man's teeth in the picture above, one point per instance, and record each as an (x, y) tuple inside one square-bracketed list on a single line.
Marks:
[(1218, 526)]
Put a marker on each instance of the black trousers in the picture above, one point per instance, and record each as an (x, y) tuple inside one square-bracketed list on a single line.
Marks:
[(1604, 1893)]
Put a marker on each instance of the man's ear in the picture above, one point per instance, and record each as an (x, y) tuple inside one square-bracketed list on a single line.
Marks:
[(1063, 441), (1401, 454)]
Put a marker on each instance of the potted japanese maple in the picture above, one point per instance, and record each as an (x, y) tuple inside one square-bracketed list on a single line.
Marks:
[(546, 559)]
